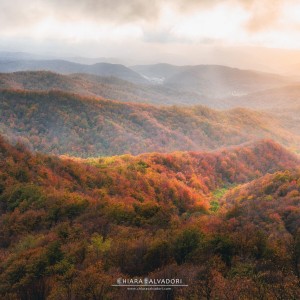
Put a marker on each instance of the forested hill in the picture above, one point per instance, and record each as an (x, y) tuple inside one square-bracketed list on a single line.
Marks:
[(69, 227), (62, 123), (276, 197)]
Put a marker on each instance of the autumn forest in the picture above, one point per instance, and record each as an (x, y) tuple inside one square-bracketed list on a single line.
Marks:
[(93, 189), (149, 150)]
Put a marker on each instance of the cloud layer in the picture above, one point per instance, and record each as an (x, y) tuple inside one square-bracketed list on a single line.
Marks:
[(20, 12), (155, 24)]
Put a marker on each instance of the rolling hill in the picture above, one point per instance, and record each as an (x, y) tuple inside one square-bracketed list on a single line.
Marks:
[(272, 100), (63, 123), (93, 85), (70, 228), (275, 196)]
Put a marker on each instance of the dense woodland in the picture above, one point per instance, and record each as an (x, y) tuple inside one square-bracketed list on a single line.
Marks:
[(63, 123), (226, 222)]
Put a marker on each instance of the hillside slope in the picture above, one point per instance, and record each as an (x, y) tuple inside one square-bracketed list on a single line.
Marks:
[(61, 123), (70, 228), (275, 196)]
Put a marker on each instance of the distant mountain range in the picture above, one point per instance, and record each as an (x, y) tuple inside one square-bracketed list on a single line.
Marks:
[(67, 67), (204, 81), (164, 84), (16, 56)]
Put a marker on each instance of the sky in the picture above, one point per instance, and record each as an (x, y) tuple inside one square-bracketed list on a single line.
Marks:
[(182, 31)]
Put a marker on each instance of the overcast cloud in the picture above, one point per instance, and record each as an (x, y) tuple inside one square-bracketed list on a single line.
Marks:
[(101, 27), (19, 12)]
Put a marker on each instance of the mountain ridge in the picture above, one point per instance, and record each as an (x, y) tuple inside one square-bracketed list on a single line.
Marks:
[(64, 123), (68, 67), (93, 85)]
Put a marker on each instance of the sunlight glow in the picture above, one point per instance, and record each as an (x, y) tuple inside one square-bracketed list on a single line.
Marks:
[(221, 23)]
